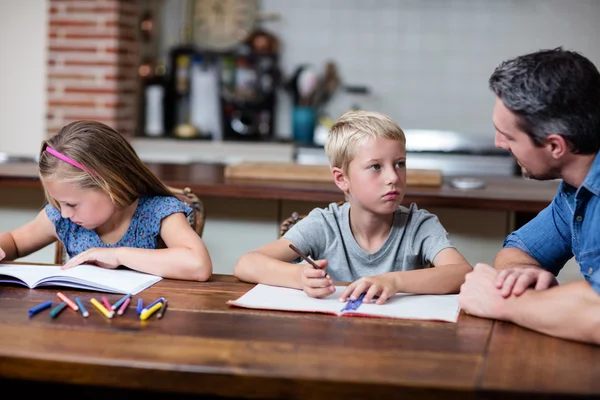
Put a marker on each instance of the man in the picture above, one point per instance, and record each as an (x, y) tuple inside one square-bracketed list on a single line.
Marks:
[(547, 114)]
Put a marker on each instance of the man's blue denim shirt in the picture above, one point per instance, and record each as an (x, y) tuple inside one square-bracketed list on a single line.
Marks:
[(569, 226)]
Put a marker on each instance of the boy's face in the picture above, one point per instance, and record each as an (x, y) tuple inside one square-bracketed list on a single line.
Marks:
[(376, 177)]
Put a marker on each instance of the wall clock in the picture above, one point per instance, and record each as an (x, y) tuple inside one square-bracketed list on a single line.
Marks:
[(221, 25)]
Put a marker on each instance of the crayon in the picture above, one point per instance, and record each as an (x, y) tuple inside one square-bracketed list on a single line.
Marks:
[(40, 307), (67, 300), (84, 312), (101, 308), (58, 309)]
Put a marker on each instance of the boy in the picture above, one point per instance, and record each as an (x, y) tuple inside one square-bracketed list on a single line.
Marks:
[(371, 241)]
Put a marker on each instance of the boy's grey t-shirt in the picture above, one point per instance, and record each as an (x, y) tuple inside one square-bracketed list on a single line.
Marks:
[(413, 242)]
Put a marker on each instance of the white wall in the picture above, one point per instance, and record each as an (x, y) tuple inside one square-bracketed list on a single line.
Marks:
[(23, 52), (426, 61)]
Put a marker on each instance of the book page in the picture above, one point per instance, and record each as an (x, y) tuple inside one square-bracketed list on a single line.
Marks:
[(286, 299), (402, 305), (413, 306), (88, 277)]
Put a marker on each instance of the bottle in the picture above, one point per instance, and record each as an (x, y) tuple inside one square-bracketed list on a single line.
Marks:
[(154, 103)]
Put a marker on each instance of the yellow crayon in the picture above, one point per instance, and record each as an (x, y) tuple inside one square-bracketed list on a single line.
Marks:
[(147, 313), (101, 308)]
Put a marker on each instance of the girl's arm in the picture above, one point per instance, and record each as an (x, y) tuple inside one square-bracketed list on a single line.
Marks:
[(29, 238), (186, 257)]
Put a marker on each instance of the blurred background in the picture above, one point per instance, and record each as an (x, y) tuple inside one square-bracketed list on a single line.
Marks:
[(249, 70)]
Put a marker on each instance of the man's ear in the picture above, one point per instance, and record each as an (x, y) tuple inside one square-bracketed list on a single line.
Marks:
[(339, 178), (557, 145)]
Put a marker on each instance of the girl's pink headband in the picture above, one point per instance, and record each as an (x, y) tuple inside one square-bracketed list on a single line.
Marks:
[(66, 159)]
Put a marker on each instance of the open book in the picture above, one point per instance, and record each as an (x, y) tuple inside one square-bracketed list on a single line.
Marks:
[(402, 305), (87, 277)]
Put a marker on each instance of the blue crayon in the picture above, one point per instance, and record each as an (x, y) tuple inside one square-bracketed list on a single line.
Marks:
[(140, 306), (40, 307), (121, 301), (160, 300), (84, 312)]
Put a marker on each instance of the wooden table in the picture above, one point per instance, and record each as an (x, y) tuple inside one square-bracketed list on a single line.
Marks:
[(202, 346), (514, 194)]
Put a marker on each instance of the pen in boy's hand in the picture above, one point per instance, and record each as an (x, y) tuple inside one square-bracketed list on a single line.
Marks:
[(305, 258)]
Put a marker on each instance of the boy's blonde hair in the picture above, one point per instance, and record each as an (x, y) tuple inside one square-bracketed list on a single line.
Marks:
[(114, 165), (352, 129)]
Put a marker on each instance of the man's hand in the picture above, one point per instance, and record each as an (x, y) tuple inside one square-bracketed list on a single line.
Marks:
[(316, 282), (479, 295), (383, 286), (517, 280), (2, 253)]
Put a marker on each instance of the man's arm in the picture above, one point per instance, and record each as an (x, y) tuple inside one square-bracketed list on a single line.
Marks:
[(570, 311), (511, 257)]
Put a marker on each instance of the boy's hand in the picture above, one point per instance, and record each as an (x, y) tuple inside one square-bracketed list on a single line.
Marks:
[(517, 280), (315, 282), (383, 286), (105, 258)]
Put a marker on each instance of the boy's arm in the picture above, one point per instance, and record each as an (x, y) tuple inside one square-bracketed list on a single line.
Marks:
[(272, 265), (28, 238), (570, 311), (447, 276)]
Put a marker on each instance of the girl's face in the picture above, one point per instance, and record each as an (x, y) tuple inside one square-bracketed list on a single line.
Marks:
[(88, 208)]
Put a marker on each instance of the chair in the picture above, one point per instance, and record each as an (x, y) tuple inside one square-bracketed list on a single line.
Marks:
[(196, 220), (293, 219)]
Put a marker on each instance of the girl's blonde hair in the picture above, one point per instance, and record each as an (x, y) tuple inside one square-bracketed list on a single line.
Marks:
[(114, 165), (352, 129)]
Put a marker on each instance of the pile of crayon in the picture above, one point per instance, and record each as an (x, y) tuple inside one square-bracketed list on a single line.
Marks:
[(104, 307)]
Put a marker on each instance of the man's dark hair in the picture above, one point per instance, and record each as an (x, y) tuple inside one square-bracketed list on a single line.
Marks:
[(552, 92)]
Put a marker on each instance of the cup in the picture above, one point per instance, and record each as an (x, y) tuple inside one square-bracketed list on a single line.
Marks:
[(303, 124)]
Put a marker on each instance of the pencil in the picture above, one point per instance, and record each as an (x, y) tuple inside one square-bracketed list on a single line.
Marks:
[(67, 300), (121, 301), (39, 307), (308, 260), (148, 312), (57, 310), (106, 303), (124, 306), (101, 308), (140, 306), (84, 312), (162, 310)]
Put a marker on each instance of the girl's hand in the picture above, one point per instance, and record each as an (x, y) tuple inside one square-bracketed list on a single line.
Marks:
[(316, 282), (105, 258), (383, 286)]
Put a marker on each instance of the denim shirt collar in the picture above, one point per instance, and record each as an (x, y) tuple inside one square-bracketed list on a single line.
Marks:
[(591, 181)]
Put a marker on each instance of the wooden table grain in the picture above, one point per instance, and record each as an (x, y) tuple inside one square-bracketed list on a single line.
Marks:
[(204, 347)]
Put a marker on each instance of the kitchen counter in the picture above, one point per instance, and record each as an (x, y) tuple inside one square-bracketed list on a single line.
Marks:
[(514, 194)]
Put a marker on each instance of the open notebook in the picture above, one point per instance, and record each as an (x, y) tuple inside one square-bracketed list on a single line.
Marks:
[(87, 277), (402, 305)]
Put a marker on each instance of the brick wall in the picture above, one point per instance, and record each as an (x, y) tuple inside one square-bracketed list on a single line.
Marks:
[(92, 63)]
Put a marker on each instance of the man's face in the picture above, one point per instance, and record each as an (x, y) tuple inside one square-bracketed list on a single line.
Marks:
[(535, 162)]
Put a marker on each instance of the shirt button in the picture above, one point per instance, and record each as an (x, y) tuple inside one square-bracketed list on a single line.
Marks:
[(590, 270), (579, 218)]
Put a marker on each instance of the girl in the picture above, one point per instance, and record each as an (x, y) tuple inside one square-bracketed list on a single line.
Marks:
[(108, 209)]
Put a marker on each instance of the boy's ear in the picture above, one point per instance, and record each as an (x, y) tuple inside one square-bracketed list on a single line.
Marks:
[(340, 179)]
